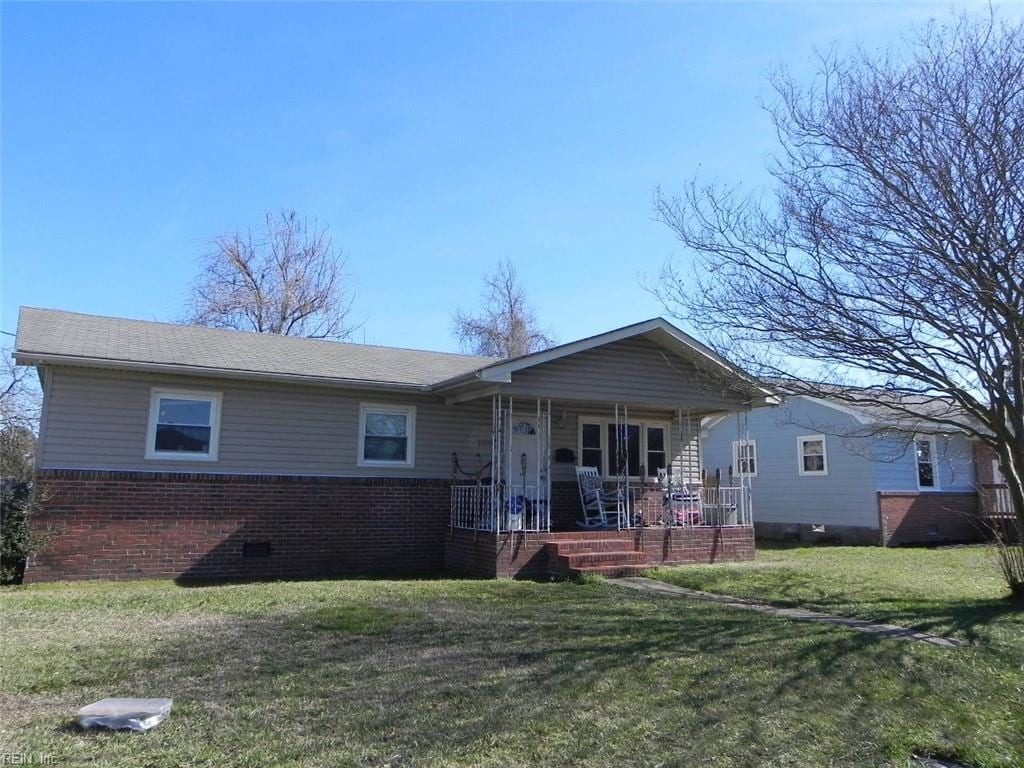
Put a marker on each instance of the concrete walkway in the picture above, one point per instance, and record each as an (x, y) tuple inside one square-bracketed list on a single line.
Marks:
[(799, 614)]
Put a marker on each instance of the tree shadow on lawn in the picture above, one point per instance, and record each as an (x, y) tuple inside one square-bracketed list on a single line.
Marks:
[(575, 674)]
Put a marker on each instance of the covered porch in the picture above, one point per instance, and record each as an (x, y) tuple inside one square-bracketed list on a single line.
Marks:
[(591, 460)]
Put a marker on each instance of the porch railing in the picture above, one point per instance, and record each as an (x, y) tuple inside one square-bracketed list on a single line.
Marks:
[(522, 508), (699, 506)]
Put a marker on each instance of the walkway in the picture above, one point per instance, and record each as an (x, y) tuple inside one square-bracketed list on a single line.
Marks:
[(799, 614)]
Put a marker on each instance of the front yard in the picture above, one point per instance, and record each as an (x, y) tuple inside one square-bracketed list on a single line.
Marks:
[(463, 673)]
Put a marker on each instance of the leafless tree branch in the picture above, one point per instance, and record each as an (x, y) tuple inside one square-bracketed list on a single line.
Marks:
[(288, 280)]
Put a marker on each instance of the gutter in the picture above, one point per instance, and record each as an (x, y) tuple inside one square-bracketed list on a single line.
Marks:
[(30, 358)]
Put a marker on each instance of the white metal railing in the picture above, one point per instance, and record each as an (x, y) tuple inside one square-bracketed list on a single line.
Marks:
[(522, 508), (472, 508), (694, 505), (1001, 500)]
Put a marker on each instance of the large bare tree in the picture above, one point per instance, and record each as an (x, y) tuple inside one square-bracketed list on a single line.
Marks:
[(888, 250), (288, 279), (506, 325)]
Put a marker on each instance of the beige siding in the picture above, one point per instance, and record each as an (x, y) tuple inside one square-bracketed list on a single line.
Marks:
[(97, 420), (635, 371)]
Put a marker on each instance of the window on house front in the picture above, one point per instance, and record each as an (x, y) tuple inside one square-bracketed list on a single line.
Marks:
[(637, 448), (183, 424), (744, 457), (386, 435), (812, 455), (624, 450), (924, 448), (591, 454), (656, 453)]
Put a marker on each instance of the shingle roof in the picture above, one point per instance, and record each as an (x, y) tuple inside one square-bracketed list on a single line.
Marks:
[(48, 332)]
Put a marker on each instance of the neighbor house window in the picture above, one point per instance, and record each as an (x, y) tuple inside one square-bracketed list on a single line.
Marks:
[(744, 457), (924, 449), (638, 449), (183, 424), (386, 435), (812, 455)]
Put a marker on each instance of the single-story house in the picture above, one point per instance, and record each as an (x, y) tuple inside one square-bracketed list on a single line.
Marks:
[(176, 451), (829, 470)]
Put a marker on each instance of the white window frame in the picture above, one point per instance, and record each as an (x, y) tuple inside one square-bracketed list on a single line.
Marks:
[(409, 411), (936, 470), (155, 394), (736, 456), (800, 441), (643, 425)]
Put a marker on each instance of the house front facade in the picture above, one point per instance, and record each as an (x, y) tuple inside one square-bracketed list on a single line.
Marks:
[(823, 471), (175, 451)]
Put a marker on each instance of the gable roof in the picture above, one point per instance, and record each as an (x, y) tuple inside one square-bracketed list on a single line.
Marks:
[(55, 336), (657, 329), (47, 335)]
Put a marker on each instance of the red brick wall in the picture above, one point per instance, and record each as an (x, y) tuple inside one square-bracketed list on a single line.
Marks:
[(908, 517), (134, 524)]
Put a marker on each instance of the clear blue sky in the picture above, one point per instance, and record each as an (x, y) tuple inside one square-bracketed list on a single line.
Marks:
[(434, 139)]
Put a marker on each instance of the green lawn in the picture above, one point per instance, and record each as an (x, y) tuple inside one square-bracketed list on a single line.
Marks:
[(464, 673)]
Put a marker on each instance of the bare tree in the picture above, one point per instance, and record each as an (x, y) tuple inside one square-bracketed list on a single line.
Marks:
[(288, 280), (889, 252), (506, 325)]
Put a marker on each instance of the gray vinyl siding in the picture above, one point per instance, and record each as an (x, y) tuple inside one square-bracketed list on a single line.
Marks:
[(635, 371), (896, 469), (98, 420), (845, 496)]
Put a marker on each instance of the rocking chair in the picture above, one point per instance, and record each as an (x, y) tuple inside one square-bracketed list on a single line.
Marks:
[(601, 508)]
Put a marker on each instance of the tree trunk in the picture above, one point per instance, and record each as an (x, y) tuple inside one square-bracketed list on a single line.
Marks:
[(1010, 535)]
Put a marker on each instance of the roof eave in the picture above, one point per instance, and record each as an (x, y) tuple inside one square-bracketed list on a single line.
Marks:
[(23, 357)]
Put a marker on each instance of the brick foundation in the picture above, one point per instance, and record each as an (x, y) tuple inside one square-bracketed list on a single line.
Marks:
[(116, 525), (928, 518), (846, 535), (523, 555)]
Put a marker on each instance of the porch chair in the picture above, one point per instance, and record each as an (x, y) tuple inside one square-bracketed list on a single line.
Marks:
[(601, 508), (682, 503)]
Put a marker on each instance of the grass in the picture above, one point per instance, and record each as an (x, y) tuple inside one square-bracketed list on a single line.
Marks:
[(474, 673)]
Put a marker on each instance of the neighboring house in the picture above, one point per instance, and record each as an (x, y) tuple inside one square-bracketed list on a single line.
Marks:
[(820, 470), (169, 450)]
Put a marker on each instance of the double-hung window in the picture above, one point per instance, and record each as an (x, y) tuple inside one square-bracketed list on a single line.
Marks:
[(387, 435), (637, 448), (924, 451), (812, 455), (744, 457), (183, 425)]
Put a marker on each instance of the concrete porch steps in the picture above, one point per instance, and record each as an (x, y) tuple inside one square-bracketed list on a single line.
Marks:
[(603, 557)]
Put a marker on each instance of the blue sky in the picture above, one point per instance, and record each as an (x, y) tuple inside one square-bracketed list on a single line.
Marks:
[(434, 139)]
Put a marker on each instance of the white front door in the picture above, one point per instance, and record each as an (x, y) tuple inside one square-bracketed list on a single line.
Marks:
[(523, 474)]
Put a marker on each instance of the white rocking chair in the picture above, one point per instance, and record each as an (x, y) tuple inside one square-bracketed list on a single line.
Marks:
[(601, 508)]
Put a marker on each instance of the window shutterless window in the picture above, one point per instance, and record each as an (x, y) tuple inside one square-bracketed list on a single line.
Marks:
[(183, 425), (924, 449), (812, 456), (643, 447), (656, 450), (591, 454), (744, 457), (387, 435)]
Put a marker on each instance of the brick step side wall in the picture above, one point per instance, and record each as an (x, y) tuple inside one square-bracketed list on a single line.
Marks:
[(116, 525), (526, 555)]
